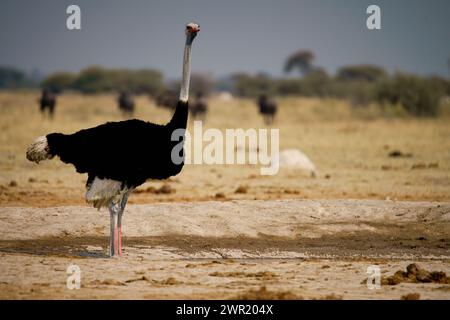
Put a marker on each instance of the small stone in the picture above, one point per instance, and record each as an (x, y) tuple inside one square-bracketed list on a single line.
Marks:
[(438, 276), (412, 268), (165, 189), (241, 189), (423, 276)]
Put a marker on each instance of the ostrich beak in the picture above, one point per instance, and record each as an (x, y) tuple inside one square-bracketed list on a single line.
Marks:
[(192, 28)]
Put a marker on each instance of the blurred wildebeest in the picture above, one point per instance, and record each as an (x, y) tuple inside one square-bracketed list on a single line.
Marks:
[(168, 99), (199, 107), (268, 108), (47, 102), (126, 103)]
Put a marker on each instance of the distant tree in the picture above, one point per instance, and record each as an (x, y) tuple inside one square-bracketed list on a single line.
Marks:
[(144, 81), (60, 81), (246, 85), (418, 95), (369, 73), (94, 79), (441, 83), (11, 78), (290, 87), (316, 82), (301, 60), (97, 79)]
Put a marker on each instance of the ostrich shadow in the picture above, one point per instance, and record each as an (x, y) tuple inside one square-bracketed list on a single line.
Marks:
[(60, 247), (82, 247), (371, 243)]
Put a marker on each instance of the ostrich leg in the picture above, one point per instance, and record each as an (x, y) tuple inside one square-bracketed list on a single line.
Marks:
[(123, 203), (115, 211)]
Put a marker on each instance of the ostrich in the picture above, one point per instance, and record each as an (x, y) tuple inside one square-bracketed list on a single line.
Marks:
[(119, 156), (199, 107), (268, 108), (47, 101), (126, 103)]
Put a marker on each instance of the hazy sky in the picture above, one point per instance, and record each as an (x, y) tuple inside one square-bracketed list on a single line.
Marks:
[(236, 35)]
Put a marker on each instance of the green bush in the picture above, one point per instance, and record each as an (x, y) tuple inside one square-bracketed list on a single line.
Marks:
[(94, 80), (11, 78), (316, 83), (358, 93), (144, 81), (442, 84), (60, 81), (418, 96), (252, 86), (364, 73), (286, 87), (97, 79), (361, 85)]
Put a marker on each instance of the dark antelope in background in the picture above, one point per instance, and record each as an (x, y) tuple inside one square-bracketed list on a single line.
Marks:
[(47, 102), (126, 103), (267, 108), (199, 107)]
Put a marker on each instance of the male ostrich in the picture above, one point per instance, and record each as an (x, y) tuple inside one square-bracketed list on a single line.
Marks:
[(199, 107), (119, 156), (268, 108), (47, 101), (126, 103)]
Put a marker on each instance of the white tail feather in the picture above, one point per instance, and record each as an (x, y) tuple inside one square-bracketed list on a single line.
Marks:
[(39, 150)]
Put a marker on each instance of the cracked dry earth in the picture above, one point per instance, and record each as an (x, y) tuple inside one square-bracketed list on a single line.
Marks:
[(294, 249)]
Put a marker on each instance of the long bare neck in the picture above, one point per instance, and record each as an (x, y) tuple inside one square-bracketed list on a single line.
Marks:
[(184, 91), (179, 118)]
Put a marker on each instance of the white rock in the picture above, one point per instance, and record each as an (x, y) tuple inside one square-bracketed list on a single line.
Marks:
[(294, 159), (225, 96)]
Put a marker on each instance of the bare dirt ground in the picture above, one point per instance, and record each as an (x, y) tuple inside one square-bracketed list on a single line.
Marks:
[(226, 231), (219, 250)]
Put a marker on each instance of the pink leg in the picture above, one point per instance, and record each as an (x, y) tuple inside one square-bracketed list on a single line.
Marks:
[(116, 241), (116, 211), (120, 240)]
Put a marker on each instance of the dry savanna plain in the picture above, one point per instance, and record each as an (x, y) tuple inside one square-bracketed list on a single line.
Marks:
[(381, 197)]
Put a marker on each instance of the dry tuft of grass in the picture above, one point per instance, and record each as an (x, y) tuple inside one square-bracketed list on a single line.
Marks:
[(411, 296), (264, 294)]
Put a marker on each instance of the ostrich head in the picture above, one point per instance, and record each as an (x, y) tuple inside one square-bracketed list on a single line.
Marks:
[(191, 32)]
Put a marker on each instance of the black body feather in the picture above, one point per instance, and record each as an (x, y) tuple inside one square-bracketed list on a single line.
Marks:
[(129, 151)]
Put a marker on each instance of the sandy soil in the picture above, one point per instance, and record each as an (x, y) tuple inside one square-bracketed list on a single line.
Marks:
[(350, 151), (226, 249), (226, 231)]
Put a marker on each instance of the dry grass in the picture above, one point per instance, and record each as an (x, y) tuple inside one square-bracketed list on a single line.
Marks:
[(350, 152)]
